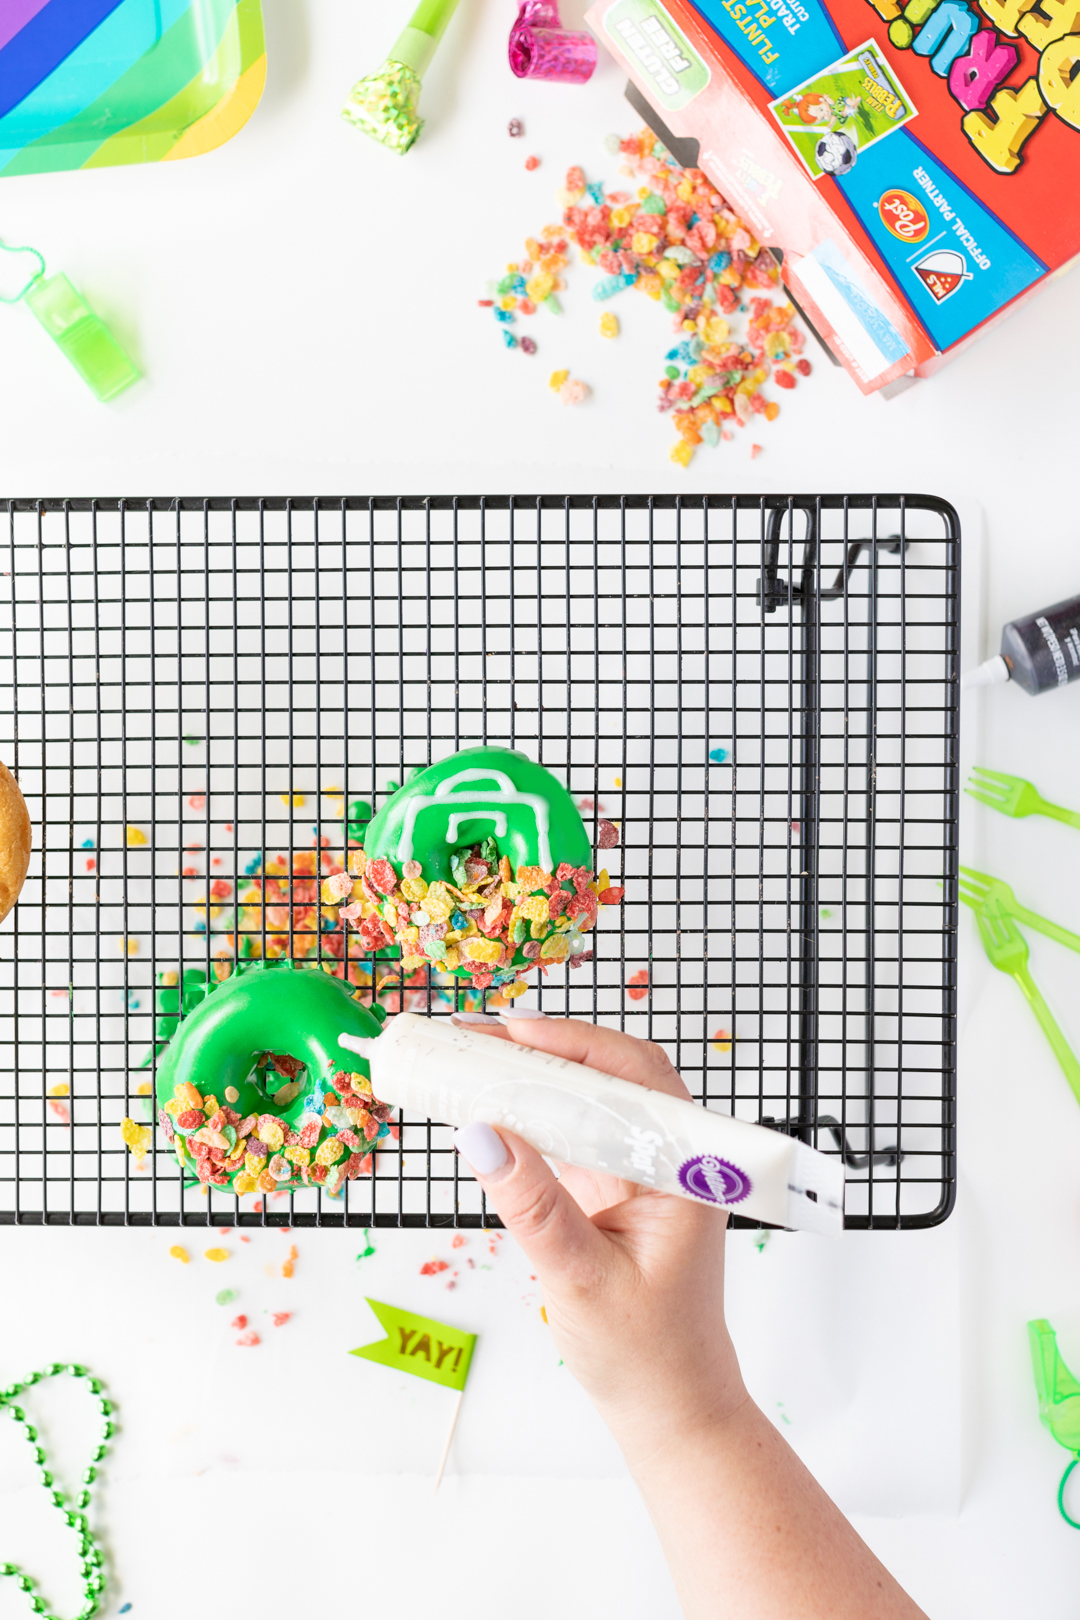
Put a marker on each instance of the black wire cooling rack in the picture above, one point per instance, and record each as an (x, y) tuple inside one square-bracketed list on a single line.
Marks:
[(760, 692)]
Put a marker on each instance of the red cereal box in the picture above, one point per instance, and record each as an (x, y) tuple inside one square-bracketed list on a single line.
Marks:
[(918, 164)]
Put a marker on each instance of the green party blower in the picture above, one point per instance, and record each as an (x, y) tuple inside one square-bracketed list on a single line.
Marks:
[(384, 105), (1059, 1400), (80, 334)]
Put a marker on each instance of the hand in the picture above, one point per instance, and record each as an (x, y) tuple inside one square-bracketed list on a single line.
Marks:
[(632, 1280), (633, 1284)]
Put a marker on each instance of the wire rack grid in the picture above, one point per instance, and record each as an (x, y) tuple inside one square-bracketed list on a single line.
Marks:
[(760, 692)]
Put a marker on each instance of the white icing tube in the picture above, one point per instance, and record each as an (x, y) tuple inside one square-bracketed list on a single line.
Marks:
[(437, 1070)]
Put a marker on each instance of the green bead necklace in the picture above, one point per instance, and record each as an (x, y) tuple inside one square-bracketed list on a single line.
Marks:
[(90, 1554)]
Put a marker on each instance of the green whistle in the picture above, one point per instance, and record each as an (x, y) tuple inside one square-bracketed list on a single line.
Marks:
[(1059, 1399), (81, 335)]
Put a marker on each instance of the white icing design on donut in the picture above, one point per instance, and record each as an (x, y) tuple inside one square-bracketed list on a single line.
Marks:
[(482, 806)]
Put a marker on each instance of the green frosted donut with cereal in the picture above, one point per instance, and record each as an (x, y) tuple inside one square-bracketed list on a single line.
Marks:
[(479, 866), (251, 1089)]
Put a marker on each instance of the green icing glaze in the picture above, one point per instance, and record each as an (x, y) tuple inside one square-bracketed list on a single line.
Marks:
[(279, 1007), (476, 794)]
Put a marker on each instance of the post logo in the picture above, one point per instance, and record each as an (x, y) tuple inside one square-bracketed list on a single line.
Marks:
[(903, 215)]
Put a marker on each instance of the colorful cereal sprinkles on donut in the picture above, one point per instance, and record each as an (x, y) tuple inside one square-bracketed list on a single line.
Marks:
[(251, 1089), (481, 867)]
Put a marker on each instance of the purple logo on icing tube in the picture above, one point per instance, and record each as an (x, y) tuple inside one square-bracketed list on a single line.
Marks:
[(715, 1180)]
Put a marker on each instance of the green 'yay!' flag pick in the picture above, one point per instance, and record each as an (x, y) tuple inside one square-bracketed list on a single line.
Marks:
[(80, 334)]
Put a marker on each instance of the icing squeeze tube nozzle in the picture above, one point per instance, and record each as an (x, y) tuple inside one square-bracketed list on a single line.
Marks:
[(541, 48), (384, 105), (80, 334), (1038, 652), (577, 1115)]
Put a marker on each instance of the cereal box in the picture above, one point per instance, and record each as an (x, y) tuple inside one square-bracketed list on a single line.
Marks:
[(917, 164)]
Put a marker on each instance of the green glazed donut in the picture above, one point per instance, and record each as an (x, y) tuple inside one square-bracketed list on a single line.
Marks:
[(479, 866), (238, 1125)]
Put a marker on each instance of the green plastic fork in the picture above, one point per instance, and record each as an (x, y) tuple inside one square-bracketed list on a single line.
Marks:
[(977, 888), (1015, 797), (1007, 949)]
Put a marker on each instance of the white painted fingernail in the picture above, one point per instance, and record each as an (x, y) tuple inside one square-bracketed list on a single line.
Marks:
[(521, 1012), (481, 1148), (473, 1018)]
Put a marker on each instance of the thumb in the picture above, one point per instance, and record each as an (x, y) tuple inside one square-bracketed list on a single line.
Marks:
[(554, 1231)]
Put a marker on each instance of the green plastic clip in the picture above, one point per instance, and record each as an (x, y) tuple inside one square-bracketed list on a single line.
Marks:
[(80, 334), (1059, 1400)]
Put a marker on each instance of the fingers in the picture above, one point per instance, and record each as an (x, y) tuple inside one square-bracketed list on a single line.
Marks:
[(609, 1050), (556, 1235)]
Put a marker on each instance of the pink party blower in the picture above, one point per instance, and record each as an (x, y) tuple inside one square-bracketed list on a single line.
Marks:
[(541, 48)]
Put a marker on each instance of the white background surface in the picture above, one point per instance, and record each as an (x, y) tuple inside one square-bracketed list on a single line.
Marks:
[(303, 305)]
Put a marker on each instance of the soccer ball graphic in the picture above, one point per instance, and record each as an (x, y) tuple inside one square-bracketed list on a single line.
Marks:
[(836, 153)]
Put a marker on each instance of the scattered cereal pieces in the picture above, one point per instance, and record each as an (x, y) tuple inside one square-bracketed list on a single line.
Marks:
[(180, 1254), (138, 1137), (231, 1094), (197, 801), (367, 1250), (290, 1261), (225, 1297), (532, 162), (574, 391), (217, 1254), (755, 451), (528, 345), (721, 1040), (281, 1317), (637, 985), (719, 755), (557, 379), (609, 324), (239, 1323), (127, 946), (294, 801), (682, 244), (135, 836), (607, 835), (431, 1268), (246, 1340), (515, 127)]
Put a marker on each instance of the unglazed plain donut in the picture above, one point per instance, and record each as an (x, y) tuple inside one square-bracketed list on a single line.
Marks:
[(14, 841)]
